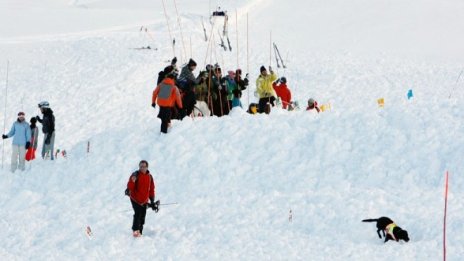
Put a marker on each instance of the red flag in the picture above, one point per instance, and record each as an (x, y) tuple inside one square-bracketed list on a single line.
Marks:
[(444, 218)]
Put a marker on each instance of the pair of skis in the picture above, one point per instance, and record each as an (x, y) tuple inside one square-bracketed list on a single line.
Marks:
[(223, 44), (278, 57)]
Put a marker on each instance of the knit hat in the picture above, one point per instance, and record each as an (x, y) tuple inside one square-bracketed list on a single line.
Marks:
[(192, 62), (283, 80), (262, 68), (168, 70), (33, 120), (21, 113)]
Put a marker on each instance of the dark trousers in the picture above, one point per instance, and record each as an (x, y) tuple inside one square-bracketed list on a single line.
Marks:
[(165, 116), (139, 216), (188, 102), (263, 102)]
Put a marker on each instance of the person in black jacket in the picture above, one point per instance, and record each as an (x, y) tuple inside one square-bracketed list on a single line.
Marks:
[(48, 129)]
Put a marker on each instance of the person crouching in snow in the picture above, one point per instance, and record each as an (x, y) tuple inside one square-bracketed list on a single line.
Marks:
[(21, 133), (141, 189), (167, 95), (312, 105), (282, 91)]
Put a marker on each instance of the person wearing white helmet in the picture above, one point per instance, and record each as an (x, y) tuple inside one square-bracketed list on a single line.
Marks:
[(48, 129)]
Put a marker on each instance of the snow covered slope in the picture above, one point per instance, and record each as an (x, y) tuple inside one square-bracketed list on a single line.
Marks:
[(237, 178)]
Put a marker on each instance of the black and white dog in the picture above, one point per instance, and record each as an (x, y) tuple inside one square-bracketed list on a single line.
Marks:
[(389, 229)]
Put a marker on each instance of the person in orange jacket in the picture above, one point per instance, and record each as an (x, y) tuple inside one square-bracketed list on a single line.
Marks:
[(167, 95), (140, 189), (282, 91)]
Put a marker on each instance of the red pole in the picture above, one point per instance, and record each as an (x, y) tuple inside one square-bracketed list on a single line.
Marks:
[(444, 218)]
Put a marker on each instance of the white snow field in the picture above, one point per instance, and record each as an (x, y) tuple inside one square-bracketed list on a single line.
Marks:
[(236, 178)]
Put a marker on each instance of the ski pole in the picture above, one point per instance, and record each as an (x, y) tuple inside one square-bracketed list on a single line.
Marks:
[(181, 31), (248, 57), (204, 29), (4, 114), (456, 85), (270, 48), (236, 33), (167, 204), (169, 28), (276, 57)]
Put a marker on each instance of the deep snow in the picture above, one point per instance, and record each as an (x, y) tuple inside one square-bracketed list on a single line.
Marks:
[(237, 177)]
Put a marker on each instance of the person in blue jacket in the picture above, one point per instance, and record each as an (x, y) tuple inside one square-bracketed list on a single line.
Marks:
[(21, 133)]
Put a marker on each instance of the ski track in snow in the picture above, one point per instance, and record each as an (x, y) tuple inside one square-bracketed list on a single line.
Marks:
[(237, 177)]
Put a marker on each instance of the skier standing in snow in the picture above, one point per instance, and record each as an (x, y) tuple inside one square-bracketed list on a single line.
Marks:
[(282, 91), (141, 189), (186, 83), (264, 87), (167, 96), (48, 129), (201, 90), (21, 133), (231, 86), (30, 153), (161, 74), (242, 83), (220, 105)]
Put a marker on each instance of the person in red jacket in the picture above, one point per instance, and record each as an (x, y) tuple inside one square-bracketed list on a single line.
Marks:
[(282, 91), (167, 95), (141, 189)]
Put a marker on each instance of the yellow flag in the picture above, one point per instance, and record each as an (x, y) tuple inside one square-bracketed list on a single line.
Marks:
[(381, 102)]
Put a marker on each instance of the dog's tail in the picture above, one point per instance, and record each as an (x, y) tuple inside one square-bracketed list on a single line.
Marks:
[(370, 220)]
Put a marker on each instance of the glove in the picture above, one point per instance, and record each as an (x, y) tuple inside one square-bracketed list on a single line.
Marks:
[(270, 69), (154, 206), (174, 61), (127, 192), (246, 82), (4, 136), (153, 105), (28, 144), (182, 113), (47, 140), (37, 117)]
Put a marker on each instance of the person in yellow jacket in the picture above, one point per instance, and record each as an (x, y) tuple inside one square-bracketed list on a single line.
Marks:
[(264, 87)]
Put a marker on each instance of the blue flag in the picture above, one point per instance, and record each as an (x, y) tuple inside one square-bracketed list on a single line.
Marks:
[(410, 95)]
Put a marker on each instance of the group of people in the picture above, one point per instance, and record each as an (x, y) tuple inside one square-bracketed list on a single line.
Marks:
[(177, 94), (25, 137)]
